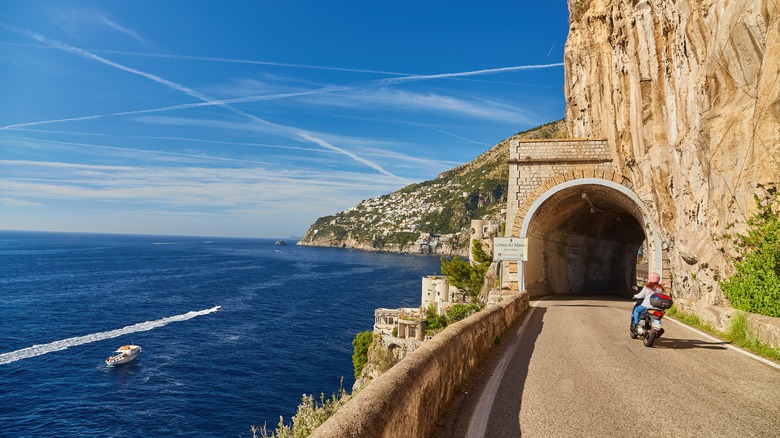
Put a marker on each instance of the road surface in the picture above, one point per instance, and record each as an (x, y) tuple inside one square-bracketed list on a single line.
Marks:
[(569, 369)]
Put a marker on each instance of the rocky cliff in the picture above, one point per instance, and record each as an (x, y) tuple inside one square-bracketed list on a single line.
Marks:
[(688, 94)]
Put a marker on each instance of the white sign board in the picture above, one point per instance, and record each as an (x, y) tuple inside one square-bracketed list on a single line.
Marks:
[(510, 248)]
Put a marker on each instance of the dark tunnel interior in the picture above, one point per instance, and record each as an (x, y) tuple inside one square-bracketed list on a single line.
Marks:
[(583, 240)]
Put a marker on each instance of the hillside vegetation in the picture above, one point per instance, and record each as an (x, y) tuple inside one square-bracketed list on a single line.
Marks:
[(432, 216)]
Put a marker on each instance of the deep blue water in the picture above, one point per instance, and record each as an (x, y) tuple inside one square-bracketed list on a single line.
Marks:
[(285, 327)]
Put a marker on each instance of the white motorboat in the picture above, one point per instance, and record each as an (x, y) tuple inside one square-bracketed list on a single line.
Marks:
[(124, 354)]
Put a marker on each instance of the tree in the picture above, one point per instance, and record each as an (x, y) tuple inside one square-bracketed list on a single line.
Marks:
[(466, 276), (434, 321), (361, 343), (461, 311)]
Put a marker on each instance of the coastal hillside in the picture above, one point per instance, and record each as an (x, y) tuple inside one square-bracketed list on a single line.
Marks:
[(432, 216)]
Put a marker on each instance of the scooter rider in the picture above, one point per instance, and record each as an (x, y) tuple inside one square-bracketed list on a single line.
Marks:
[(653, 286)]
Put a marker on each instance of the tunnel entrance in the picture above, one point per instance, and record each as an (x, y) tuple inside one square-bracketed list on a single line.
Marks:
[(584, 237)]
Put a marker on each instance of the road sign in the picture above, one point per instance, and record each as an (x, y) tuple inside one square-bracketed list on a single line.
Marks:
[(510, 248)]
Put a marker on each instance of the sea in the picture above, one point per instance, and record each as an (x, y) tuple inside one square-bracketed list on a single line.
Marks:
[(233, 331)]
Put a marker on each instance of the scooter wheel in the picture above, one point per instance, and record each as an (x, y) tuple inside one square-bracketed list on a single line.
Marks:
[(650, 339)]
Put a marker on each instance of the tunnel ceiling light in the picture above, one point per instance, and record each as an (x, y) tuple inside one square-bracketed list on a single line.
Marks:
[(593, 208)]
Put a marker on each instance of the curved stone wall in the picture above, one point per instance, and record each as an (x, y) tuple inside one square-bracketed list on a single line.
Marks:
[(407, 400)]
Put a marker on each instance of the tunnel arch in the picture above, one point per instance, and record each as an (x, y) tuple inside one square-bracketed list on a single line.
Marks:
[(583, 237)]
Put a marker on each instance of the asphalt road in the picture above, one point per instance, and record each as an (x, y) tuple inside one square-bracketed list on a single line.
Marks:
[(569, 369)]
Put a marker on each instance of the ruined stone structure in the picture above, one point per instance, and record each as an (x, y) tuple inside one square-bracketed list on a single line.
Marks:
[(436, 291), (402, 323)]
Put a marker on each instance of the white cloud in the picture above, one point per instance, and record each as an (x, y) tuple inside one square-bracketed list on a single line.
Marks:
[(202, 187), (19, 202), (386, 98), (79, 22)]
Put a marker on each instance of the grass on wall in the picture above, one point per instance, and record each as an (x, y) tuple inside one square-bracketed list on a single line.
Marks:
[(737, 333)]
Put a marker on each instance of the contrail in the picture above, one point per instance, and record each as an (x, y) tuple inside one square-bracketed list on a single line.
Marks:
[(552, 47), (357, 158), (467, 73), (324, 90), (38, 350), (214, 102), (173, 85), (245, 61), (83, 53), (144, 151), (406, 76)]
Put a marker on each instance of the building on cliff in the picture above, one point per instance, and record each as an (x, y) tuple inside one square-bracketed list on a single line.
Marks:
[(409, 323)]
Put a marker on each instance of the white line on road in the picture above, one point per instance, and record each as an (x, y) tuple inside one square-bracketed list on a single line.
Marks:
[(737, 349), (481, 415)]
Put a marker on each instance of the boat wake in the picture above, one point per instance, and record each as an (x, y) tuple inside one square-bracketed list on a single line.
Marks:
[(37, 350)]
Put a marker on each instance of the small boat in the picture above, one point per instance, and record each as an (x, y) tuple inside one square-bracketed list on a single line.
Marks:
[(280, 242), (124, 354)]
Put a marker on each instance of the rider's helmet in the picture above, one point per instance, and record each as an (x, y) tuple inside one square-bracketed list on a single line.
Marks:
[(654, 278)]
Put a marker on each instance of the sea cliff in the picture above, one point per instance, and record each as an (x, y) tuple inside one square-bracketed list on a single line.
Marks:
[(689, 94)]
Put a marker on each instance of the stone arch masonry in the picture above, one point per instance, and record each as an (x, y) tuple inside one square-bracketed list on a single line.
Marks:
[(537, 166)]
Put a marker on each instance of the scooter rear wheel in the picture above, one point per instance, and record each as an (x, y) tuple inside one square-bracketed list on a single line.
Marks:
[(649, 339)]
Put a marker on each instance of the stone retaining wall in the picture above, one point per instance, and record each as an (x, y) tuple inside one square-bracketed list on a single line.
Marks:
[(407, 400), (764, 328)]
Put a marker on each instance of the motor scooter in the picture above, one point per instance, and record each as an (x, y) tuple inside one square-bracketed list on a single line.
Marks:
[(649, 326)]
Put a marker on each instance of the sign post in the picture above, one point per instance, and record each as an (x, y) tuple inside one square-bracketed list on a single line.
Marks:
[(512, 249)]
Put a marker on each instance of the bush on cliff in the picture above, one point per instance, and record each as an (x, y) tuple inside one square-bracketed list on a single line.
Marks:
[(310, 415), (461, 311), (755, 287), (360, 345), (434, 322)]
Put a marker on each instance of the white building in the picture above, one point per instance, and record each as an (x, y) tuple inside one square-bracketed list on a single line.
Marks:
[(437, 291)]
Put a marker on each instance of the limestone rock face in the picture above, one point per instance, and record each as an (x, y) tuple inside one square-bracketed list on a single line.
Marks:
[(687, 93)]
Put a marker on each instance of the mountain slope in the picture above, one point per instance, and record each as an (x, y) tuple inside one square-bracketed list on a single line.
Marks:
[(432, 216)]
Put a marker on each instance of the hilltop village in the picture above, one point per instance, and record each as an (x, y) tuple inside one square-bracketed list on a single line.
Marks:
[(431, 217), (401, 222)]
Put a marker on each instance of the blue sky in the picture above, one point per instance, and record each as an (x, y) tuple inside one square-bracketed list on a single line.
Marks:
[(254, 118)]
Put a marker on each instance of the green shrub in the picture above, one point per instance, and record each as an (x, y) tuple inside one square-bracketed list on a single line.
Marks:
[(737, 331), (309, 416), (461, 311), (433, 321), (755, 287), (383, 357), (361, 343)]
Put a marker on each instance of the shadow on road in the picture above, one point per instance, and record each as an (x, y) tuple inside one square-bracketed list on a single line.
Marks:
[(576, 305), (683, 344), (503, 421)]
